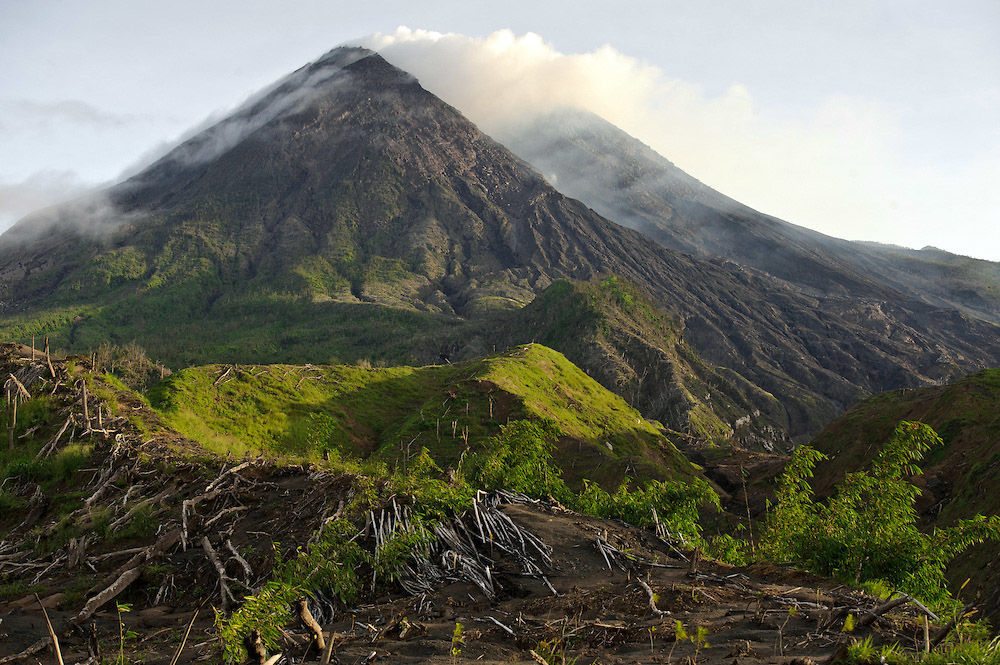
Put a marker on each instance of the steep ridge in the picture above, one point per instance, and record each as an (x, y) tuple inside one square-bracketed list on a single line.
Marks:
[(624, 180), (619, 335), (959, 480), (347, 212)]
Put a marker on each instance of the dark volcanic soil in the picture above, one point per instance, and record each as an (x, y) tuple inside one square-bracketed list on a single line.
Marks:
[(600, 615)]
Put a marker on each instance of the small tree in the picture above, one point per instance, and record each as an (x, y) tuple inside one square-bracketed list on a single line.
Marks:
[(867, 530)]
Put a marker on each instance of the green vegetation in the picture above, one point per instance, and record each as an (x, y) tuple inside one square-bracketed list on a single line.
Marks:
[(316, 413), (520, 456), (867, 530), (521, 459), (331, 564), (980, 651), (630, 345)]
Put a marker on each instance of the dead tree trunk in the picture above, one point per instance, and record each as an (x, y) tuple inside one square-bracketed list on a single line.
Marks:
[(310, 622), (11, 417), (86, 408), (48, 358)]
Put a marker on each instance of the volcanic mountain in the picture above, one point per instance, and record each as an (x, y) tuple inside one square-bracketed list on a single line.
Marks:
[(625, 180), (348, 213)]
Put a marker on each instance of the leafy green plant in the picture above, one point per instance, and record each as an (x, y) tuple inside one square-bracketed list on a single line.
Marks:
[(123, 633), (867, 529), (553, 652), (521, 459), (673, 505), (730, 549), (330, 563), (457, 640)]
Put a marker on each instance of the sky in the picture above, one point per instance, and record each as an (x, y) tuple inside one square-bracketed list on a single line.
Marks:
[(870, 120)]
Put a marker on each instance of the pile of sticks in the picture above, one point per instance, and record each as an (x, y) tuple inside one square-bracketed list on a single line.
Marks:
[(464, 548)]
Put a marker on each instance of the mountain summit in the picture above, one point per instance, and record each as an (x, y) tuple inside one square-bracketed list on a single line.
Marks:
[(347, 212)]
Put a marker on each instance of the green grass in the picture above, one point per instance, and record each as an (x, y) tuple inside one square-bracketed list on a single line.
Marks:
[(298, 414)]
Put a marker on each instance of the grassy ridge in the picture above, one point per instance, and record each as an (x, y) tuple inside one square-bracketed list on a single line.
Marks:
[(308, 413)]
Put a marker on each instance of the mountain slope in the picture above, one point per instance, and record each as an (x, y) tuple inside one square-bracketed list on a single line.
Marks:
[(347, 213), (626, 181), (619, 335), (959, 480)]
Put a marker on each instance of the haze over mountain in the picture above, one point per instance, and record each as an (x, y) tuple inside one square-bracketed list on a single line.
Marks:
[(348, 212), (625, 180)]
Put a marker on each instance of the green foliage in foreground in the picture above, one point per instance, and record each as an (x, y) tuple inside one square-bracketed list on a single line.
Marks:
[(867, 529), (329, 564), (520, 458), (974, 651)]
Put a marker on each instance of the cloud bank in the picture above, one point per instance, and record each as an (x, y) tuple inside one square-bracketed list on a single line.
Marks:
[(837, 167), (40, 190)]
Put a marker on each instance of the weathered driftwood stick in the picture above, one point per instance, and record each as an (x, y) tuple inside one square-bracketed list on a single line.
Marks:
[(189, 504), (162, 544), (213, 556), (240, 560), (309, 621), (223, 375), (11, 418), (537, 658), (110, 480), (893, 603), (950, 626), (48, 358), (50, 447), (52, 632), (236, 469), (86, 408), (20, 387), (505, 628), (652, 598), (101, 599), (887, 606), (187, 633), (328, 652), (24, 655)]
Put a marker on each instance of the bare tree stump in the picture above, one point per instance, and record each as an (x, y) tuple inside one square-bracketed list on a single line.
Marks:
[(310, 622)]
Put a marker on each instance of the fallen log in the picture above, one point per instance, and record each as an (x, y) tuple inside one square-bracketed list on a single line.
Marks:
[(101, 599), (27, 653)]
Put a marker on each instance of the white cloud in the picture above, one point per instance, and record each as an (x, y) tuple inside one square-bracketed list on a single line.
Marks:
[(39, 190), (837, 167)]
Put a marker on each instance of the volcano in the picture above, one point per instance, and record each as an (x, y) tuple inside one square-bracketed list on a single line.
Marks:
[(348, 213)]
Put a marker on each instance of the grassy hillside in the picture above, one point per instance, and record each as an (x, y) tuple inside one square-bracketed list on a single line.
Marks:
[(960, 479), (307, 413)]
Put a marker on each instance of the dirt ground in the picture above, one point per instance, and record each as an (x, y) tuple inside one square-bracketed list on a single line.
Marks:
[(601, 614)]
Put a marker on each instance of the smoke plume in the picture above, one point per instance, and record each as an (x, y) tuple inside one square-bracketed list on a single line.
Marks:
[(836, 167)]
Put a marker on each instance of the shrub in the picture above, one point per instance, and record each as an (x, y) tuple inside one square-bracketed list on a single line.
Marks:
[(867, 529), (520, 459), (673, 504)]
